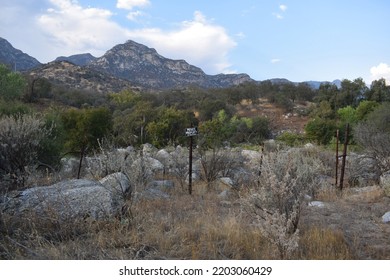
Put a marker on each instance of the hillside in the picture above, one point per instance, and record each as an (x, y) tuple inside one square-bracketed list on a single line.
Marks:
[(68, 75)]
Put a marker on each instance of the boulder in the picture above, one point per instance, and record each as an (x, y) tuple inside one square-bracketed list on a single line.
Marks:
[(386, 218), (72, 199), (318, 204), (162, 185), (385, 182), (148, 149), (117, 183), (364, 170), (150, 164), (69, 167)]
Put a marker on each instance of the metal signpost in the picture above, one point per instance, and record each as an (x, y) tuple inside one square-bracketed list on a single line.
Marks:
[(190, 132)]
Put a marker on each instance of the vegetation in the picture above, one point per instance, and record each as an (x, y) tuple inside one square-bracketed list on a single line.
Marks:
[(260, 218)]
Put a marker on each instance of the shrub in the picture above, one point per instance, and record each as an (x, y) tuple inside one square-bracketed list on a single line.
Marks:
[(374, 135), (21, 137), (275, 201)]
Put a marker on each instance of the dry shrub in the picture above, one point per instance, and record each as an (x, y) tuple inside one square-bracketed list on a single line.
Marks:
[(21, 137), (275, 202), (323, 244)]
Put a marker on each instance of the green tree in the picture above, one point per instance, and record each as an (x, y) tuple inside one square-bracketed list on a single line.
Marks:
[(129, 125), (83, 128), (365, 107), (379, 91), (351, 93), (169, 127), (320, 130), (12, 85)]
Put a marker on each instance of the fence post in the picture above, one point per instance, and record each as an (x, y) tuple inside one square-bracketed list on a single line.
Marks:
[(344, 157), (337, 156), (190, 168)]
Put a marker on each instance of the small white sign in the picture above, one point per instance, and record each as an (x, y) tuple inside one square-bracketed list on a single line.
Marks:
[(192, 131)]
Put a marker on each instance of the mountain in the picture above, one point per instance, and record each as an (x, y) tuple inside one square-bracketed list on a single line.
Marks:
[(78, 59), (316, 84), (145, 67), (15, 58), (71, 76)]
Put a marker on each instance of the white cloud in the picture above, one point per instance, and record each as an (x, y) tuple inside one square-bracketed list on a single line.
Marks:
[(73, 29), (275, 60), (130, 4), (283, 8), (198, 41), (381, 71), (280, 15), (133, 16), (65, 27)]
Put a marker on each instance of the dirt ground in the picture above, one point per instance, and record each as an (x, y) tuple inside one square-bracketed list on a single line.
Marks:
[(358, 215)]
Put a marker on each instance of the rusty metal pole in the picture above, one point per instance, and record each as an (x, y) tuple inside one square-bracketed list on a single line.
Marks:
[(344, 157), (190, 169), (337, 156)]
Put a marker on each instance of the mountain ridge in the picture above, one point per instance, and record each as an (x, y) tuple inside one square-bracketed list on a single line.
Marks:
[(14, 58), (130, 63)]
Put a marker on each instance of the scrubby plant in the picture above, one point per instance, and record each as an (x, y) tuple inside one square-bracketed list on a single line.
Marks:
[(275, 200), (21, 138), (374, 136)]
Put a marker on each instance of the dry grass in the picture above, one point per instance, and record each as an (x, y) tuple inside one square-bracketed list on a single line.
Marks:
[(200, 226), (323, 244)]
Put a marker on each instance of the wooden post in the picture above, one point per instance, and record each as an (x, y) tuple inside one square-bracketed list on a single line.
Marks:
[(337, 156), (82, 154), (344, 157), (190, 168)]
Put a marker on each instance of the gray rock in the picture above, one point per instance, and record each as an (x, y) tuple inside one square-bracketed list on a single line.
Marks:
[(71, 199), (117, 182), (150, 164), (386, 217), (385, 182), (319, 204), (69, 167), (227, 181), (148, 149), (162, 185)]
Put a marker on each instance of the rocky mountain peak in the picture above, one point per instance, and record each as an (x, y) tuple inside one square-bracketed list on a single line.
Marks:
[(78, 59), (15, 58)]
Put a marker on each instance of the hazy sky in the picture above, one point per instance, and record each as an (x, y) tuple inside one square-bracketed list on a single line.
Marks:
[(299, 40)]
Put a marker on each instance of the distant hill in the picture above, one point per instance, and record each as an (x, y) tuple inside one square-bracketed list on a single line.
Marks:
[(66, 74), (144, 66), (78, 59), (14, 58)]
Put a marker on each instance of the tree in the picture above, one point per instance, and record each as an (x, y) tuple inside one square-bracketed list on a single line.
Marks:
[(169, 127), (130, 124), (351, 93), (379, 91), (328, 92), (320, 130), (84, 128), (12, 85)]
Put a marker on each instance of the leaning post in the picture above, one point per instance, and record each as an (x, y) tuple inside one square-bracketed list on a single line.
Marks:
[(190, 132)]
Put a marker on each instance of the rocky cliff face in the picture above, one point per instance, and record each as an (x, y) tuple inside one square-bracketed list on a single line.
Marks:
[(66, 74), (15, 58), (145, 67)]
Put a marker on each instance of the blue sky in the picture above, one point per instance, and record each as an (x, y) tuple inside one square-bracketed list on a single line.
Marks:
[(299, 40)]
